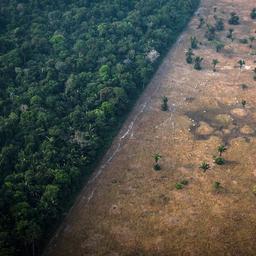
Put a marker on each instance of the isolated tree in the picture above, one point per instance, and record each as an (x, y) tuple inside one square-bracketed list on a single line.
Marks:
[(234, 19), (241, 63), (198, 62), (230, 34), (194, 42), (251, 38), (210, 33), (243, 102), (201, 22), (157, 157), (254, 76), (219, 160), (189, 56), (164, 105), (219, 46), (214, 64), (216, 185), (219, 25), (204, 166), (253, 13), (221, 149)]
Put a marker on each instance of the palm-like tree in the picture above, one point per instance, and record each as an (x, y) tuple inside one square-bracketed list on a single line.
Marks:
[(214, 63), (252, 38), (221, 149), (157, 157), (189, 56), (198, 61), (241, 63), (204, 166)]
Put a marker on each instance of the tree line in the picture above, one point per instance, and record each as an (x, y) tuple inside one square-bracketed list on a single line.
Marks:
[(69, 71)]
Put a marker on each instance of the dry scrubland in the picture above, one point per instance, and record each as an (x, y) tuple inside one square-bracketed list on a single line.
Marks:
[(130, 209)]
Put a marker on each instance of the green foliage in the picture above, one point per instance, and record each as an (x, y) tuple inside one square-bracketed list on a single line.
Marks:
[(241, 63), (214, 63), (234, 19), (197, 65), (216, 185), (69, 72), (194, 42), (219, 160), (210, 33), (164, 105), (219, 25), (204, 166), (243, 41), (221, 149), (189, 56), (230, 34), (201, 22), (218, 45), (179, 186), (253, 13)]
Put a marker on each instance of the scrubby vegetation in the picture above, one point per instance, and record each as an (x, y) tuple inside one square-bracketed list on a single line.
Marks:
[(69, 71)]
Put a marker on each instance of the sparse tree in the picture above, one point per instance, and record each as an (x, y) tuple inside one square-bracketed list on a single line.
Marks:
[(219, 25), (194, 42), (157, 157), (234, 19), (198, 61), (219, 160), (251, 38), (216, 185), (201, 22), (189, 56), (243, 102), (254, 76), (214, 64), (219, 46), (230, 34), (204, 166), (210, 33), (253, 13), (221, 149), (241, 63), (164, 105)]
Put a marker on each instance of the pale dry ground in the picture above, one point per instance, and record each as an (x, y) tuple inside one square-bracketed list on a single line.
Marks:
[(130, 209)]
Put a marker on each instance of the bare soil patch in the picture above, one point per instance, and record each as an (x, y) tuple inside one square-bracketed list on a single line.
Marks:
[(129, 209)]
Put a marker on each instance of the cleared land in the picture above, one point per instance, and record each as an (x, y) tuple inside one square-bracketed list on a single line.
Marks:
[(130, 209)]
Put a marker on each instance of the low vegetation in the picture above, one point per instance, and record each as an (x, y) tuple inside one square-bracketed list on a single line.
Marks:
[(69, 73)]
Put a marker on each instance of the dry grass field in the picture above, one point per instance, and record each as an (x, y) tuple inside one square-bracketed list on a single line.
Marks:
[(128, 208)]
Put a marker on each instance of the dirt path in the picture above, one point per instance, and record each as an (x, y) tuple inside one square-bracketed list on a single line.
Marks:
[(129, 209)]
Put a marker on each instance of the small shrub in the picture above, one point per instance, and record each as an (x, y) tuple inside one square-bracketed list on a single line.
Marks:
[(184, 182), (234, 19), (253, 13), (157, 167), (216, 185), (189, 56), (198, 61), (219, 25), (164, 105), (243, 41), (179, 186), (204, 166), (243, 102), (194, 42), (219, 160)]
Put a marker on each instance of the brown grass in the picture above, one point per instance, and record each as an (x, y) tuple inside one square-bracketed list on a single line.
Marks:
[(130, 209)]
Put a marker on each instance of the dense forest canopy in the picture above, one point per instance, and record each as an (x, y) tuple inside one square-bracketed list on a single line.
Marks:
[(69, 71)]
